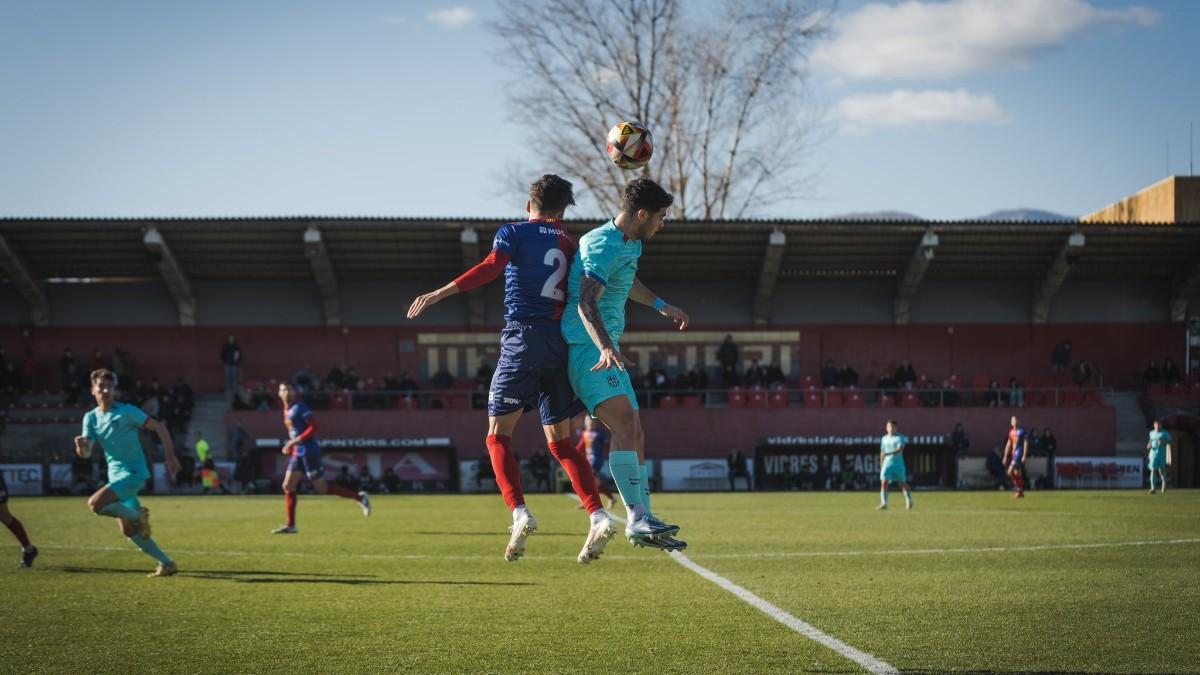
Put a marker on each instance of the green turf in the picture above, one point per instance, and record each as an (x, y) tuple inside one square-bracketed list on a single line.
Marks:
[(421, 586)]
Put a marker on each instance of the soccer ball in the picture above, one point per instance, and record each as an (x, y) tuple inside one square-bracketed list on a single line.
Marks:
[(628, 145)]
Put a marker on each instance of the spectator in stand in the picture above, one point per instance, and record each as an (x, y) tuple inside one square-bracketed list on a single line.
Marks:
[(483, 374), (366, 482), (408, 385), (992, 397), (756, 375), (72, 384), (1171, 373), (658, 377), (66, 370), (950, 396), (1152, 375), (847, 377), (995, 468), (305, 380), (337, 377), (1060, 358), (829, 375), (260, 399), (698, 377), (959, 443), (98, 361), (231, 358), (3, 360), (122, 365), (1016, 393), (905, 374), (539, 468), (737, 469), (727, 356), (1035, 442), (351, 379), (442, 379), (28, 368), (242, 399), (931, 396), (390, 482), (775, 376), (1048, 445), (1084, 373)]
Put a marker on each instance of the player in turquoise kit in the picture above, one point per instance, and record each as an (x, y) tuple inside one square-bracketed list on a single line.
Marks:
[(1159, 458), (115, 427), (891, 466), (603, 277)]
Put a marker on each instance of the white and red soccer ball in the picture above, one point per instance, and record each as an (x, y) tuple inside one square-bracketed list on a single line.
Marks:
[(629, 145)]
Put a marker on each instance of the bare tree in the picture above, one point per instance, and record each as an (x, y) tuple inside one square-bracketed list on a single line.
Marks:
[(722, 93)]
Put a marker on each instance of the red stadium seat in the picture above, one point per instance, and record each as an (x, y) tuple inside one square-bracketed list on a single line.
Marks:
[(737, 398), (692, 402), (854, 399), (909, 399), (403, 403), (1157, 389), (1072, 397), (667, 402), (812, 399), (756, 399), (1093, 398), (833, 398), (1035, 399), (807, 382), (953, 379), (777, 399), (340, 402), (886, 401)]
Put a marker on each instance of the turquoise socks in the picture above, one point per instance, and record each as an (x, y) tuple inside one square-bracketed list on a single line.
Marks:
[(645, 487), (119, 510), (883, 498), (151, 549), (627, 475)]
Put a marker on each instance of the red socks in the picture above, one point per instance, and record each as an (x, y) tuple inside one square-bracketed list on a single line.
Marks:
[(508, 471), (575, 464), (18, 531), (289, 500), (1019, 482), (343, 491)]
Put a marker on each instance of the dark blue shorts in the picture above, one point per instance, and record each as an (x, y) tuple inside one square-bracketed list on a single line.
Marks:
[(309, 463), (533, 371)]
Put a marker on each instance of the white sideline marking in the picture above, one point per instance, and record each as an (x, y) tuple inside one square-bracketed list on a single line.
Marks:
[(720, 556), (858, 656)]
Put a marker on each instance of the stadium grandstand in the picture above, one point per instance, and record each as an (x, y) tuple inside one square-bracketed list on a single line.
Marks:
[(835, 326)]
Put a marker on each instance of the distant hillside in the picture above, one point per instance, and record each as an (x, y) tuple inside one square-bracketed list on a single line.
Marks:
[(1024, 215), (876, 215)]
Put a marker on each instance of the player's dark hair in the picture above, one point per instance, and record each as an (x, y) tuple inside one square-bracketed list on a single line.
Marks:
[(552, 193), (893, 423), (103, 374), (643, 193)]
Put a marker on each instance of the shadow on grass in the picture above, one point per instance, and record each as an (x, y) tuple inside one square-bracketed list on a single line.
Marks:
[(271, 577), (501, 533)]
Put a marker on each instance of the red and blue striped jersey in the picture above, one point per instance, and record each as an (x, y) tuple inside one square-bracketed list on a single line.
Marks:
[(535, 279), (296, 419)]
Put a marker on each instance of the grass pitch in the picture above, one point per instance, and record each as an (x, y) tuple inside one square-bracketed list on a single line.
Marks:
[(965, 582)]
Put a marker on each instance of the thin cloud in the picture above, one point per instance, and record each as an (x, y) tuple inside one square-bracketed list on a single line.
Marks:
[(452, 17), (902, 108), (941, 40)]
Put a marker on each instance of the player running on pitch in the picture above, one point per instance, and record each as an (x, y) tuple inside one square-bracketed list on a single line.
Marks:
[(115, 426), (305, 453), (1016, 451), (28, 550), (533, 256), (1159, 458), (891, 466), (603, 277)]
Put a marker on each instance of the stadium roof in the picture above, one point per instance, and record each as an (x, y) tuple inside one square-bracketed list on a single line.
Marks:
[(432, 248)]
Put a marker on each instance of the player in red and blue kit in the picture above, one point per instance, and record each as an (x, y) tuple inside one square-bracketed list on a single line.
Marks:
[(305, 459), (534, 256), (1016, 451)]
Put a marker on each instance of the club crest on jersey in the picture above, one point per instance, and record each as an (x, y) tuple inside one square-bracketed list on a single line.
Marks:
[(614, 381)]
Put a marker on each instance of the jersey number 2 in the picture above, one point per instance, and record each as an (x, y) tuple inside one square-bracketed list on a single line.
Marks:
[(558, 260)]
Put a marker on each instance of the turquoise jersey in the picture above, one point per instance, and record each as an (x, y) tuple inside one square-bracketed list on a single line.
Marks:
[(117, 433), (891, 444), (607, 256), (1159, 440)]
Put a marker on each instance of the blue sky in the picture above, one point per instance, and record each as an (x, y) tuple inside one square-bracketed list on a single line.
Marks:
[(944, 109)]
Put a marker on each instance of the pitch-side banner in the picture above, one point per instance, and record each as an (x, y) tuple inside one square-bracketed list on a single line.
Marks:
[(783, 462), (23, 479), (1098, 472), (419, 463)]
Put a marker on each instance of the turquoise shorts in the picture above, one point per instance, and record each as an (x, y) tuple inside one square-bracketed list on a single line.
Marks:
[(594, 388), (1158, 460), (893, 472), (126, 488)]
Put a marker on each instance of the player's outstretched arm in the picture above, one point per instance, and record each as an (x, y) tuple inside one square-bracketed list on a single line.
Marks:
[(643, 295), (590, 291), (423, 302)]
